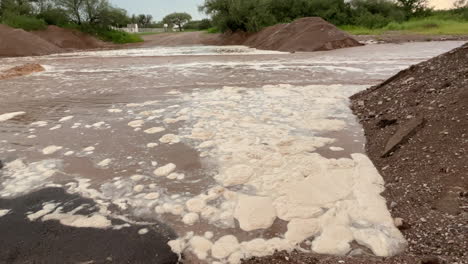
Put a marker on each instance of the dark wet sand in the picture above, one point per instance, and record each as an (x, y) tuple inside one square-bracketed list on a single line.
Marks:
[(23, 241)]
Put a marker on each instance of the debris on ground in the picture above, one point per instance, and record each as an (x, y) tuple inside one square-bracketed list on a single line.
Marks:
[(21, 70)]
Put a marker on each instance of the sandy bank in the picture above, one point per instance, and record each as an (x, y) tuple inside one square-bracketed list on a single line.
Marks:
[(17, 42)]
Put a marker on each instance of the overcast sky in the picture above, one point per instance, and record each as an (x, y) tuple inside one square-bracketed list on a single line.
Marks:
[(159, 8)]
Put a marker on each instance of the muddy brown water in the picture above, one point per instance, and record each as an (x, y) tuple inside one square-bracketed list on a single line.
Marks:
[(86, 84)]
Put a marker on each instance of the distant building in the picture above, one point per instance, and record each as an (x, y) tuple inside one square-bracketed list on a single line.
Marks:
[(132, 28)]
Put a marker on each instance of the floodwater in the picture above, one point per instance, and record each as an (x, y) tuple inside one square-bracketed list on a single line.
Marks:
[(199, 143)]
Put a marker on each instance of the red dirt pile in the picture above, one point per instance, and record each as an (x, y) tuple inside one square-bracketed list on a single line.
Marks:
[(17, 42), (305, 34), (68, 39), (21, 71)]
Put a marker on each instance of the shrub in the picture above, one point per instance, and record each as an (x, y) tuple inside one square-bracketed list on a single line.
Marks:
[(371, 20), (24, 22), (54, 17)]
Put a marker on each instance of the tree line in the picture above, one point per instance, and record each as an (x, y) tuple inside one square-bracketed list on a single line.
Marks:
[(62, 12), (35, 14), (253, 15)]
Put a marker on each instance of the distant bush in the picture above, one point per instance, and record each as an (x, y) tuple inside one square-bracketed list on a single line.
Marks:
[(54, 16), (213, 30), (24, 22), (371, 20)]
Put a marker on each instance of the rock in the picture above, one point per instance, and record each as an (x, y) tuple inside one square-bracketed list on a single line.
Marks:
[(403, 133), (430, 260), (1, 165), (386, 122)]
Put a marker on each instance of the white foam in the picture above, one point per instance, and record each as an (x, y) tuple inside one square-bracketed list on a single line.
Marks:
[(47, 208), (165, 170), (170, 139), (20, 178), (105, 163), (136, 123), (4, 212), (152, 145), (263, 140), (336, 148), (8, 116), (51, 149), (55, 127), (143, 231), (39, 123), (94, 220), (66, 118), (154, 130)]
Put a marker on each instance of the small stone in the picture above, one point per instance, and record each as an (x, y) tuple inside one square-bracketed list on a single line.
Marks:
[(424, 220), (398, 222)]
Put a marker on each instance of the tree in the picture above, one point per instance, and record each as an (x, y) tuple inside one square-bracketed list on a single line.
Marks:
[(94, 10), (412, 7), (179, 19), (461, 3), (18, 7), (73, 8), (142, 20)]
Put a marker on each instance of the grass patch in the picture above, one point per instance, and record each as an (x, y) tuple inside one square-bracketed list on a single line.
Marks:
[(24, 22), (106, 34), (213, 30), (427, 26), (148, 33), (118, 37), (431, 26)]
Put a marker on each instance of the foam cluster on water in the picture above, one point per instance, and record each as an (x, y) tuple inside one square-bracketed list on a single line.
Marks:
[(261, 147), (264, 143)]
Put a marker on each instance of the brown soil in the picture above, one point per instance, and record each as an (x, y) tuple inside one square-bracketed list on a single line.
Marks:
[(21, 71), (305, 34), (69, 39), (17, 42), (426, 171)]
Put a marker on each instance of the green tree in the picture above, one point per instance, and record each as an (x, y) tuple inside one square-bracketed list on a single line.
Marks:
[(143, 20), (413, 7), (17, 7), (179, 19), (74, 9)]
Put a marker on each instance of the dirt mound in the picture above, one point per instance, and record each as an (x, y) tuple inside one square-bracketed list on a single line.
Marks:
[(305, 34), (69, 39), (21, 71), (17, 42), (416, 125)]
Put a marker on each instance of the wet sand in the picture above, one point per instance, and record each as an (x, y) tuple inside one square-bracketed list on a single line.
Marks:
[(102, 92)]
